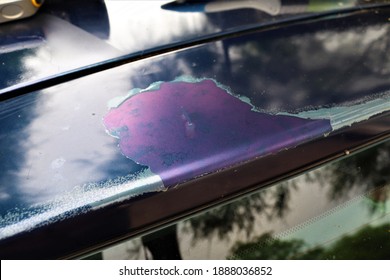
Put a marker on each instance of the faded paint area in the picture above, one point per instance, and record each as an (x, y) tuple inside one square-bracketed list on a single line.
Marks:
[(346, 115), (187, 128), (181, 130), (79, 200)]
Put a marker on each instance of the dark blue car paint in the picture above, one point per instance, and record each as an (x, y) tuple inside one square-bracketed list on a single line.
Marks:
[(55, 150)]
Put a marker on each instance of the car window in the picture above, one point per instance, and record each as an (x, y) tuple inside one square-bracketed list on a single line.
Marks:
[(339, 211)]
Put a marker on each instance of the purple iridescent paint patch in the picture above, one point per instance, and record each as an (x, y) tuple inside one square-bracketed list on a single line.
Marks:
[(182, 130)]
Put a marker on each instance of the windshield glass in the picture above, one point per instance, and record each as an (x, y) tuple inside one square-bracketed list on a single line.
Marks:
[(339, 211)]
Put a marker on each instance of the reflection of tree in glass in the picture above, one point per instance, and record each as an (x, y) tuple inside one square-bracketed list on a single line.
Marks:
[(241, 214), (265, 247), (368, 243), (366, 171)]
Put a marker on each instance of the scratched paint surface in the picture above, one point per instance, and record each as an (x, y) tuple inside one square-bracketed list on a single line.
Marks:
[(182, 129)]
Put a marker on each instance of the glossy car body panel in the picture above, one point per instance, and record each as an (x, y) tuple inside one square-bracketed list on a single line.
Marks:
[(64, 178)]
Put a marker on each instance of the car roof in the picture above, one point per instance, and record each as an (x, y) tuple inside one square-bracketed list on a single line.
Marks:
[(112, 142)]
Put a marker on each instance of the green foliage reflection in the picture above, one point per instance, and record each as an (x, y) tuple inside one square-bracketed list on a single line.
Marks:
[(371, 243)]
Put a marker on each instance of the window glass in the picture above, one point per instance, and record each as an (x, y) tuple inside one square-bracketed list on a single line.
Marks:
[(339, 211)]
